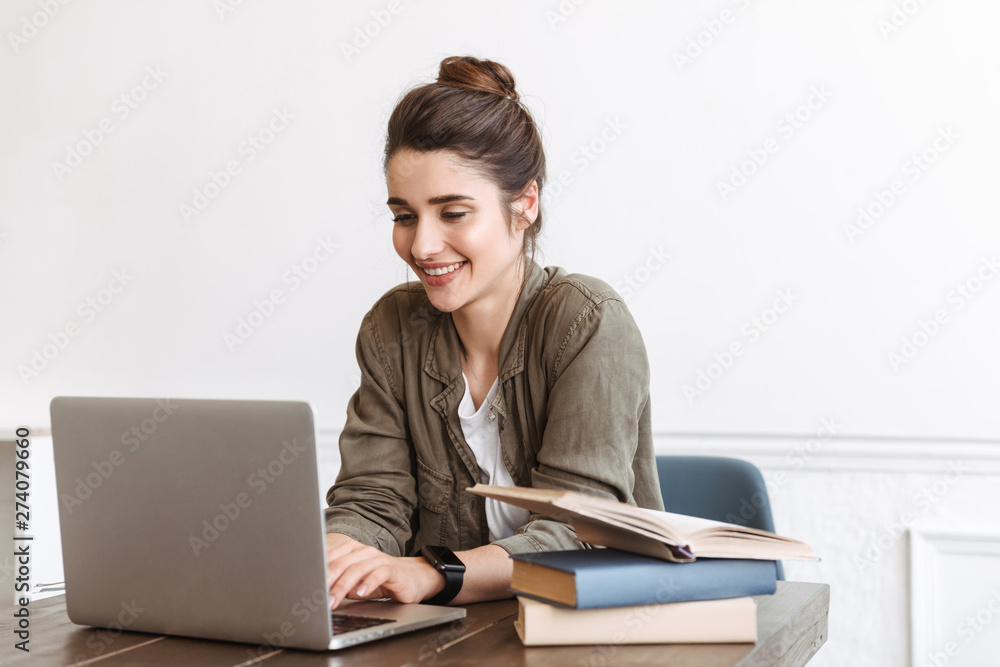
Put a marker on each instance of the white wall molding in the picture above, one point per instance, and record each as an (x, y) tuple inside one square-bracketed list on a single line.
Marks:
[(841, 452), (929, 551), (790, 452), (810, 452)]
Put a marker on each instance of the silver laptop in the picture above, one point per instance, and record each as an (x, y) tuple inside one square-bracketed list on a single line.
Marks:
[(202, 518)]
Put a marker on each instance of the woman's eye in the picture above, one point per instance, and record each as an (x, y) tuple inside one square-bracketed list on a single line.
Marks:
[(404, 218), (453, 215)]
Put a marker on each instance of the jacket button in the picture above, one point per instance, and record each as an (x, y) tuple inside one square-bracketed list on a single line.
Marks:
[(492, 416)]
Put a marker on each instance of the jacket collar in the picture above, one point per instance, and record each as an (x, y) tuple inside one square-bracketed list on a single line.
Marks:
[(443, 360)]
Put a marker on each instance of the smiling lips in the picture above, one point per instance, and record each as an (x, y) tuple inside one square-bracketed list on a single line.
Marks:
[(443, 270), (439, 276)]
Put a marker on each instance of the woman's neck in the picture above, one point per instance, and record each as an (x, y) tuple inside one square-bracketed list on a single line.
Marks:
[(481, 325)]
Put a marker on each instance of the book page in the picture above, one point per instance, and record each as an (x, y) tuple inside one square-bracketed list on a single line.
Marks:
[(565, 505), (593, 532), (606, 521)]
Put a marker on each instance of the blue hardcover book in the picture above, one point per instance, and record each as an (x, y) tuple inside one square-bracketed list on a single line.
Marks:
[(595, 578)]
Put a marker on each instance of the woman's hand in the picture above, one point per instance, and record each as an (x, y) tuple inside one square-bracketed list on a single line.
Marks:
[(360, 572)]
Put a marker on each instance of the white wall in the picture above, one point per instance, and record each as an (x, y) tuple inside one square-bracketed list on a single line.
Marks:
[(886, 82)]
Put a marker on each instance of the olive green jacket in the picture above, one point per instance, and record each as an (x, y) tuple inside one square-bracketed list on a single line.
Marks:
[(573, 413)]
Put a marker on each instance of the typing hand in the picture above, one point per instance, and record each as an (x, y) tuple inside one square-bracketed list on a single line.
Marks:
[(360, 572)]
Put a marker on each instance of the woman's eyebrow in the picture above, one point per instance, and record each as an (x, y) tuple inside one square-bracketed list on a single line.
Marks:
[(441, 199)]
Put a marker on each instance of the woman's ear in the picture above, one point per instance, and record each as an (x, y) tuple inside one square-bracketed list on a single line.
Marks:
[(527, 207)]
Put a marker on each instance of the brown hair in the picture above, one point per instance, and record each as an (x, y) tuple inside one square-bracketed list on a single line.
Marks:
[(474, 111)]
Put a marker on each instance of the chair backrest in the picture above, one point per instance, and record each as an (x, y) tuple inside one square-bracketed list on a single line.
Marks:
[(717, 488)]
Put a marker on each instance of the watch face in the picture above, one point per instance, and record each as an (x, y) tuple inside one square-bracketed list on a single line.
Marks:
[(443, 558)]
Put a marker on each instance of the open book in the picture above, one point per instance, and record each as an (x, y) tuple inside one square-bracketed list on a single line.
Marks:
[(673, 537)]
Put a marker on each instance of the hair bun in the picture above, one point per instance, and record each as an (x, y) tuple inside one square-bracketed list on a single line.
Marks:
[(475, 74)]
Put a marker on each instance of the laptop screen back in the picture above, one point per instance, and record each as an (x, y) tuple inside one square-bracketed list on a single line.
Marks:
[(192, 517)]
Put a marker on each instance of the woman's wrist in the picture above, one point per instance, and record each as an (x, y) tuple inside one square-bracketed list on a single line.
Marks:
[(431, 581)]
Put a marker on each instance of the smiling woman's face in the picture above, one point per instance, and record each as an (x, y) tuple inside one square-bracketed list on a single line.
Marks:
[(450, 228)]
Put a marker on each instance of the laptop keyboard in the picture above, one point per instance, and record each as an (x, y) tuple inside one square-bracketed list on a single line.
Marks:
[(345, 623)]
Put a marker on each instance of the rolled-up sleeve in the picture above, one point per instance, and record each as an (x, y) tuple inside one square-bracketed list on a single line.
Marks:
[(374, 497)]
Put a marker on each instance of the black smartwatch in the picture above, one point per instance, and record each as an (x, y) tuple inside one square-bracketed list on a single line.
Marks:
[(447, 563)]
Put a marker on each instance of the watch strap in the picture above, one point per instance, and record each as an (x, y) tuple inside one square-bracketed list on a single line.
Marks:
[(452, 582)]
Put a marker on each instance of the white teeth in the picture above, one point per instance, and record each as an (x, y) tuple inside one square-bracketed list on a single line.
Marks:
[(443, 270)]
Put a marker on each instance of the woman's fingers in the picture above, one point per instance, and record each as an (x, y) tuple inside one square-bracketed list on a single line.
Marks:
[(399, 578), (356, 570), (342, 553), (337, 545), (346, 571), (360, 575), (372, 585), (341, 588)]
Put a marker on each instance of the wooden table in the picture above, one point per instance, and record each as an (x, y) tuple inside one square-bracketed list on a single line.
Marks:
[(791, 626)]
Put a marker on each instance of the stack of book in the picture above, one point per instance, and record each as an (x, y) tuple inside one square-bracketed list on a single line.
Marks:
[(664, 578)]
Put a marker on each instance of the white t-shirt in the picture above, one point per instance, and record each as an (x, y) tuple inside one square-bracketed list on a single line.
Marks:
[(481, 433)]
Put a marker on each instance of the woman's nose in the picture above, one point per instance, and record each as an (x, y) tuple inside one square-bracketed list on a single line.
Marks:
[(427, 240)]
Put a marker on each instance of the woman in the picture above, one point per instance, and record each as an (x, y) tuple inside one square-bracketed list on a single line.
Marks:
[(489, 369)]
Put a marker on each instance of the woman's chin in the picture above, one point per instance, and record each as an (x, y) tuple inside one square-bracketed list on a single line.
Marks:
[(443, 303), (446, 298)]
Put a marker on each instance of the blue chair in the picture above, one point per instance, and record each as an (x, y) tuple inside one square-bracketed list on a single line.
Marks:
[(717, 488)]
